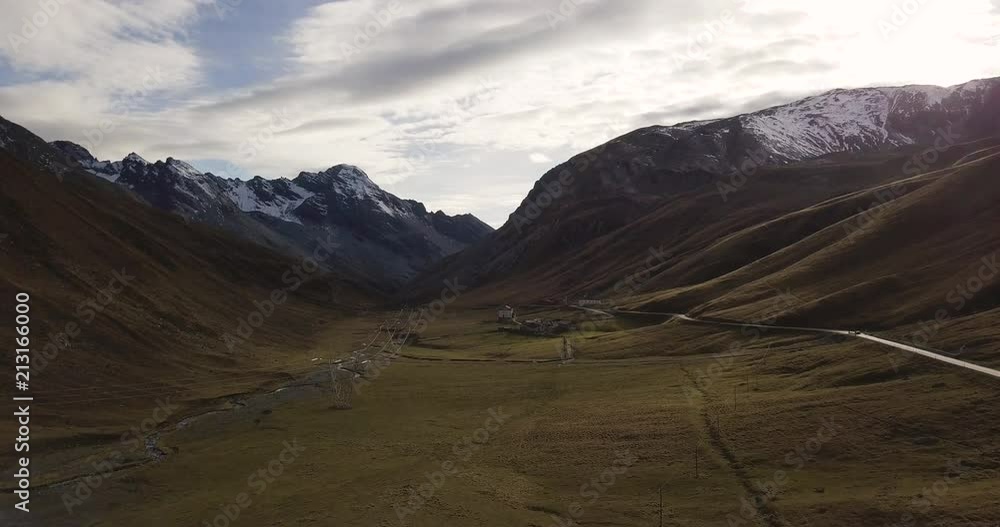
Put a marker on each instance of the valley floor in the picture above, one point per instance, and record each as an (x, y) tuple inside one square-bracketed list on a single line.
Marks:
[(735, 427)]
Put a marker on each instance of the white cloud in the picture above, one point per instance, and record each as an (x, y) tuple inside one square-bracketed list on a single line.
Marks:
[(540, 158), (89, 63), (454, 101), (98, 44)]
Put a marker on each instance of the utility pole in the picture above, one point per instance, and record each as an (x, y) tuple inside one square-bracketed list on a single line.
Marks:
[(696, 475), (661, 505)]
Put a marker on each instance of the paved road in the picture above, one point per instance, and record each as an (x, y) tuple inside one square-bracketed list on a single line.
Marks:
[(857, 334), (983, 155)]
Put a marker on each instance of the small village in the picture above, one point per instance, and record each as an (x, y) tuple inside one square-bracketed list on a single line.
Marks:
[(541, 327)]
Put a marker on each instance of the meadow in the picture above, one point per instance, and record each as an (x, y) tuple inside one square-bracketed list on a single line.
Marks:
[(766, 429)]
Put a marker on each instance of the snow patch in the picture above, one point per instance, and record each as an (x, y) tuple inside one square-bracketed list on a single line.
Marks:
[(352, 183), (183, 169), (280, 207), (838, 121), (136, 158)]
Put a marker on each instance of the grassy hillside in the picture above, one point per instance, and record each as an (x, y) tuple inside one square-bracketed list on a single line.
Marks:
[(653, 396), (129, 303), (855, 240)]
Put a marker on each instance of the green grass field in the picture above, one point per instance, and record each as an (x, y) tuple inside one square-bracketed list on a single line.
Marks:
[(832, 433)]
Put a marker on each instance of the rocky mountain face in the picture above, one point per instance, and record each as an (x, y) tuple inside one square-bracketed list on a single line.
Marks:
[(379, 235), (168, 296), (659, 160), (611, 187)]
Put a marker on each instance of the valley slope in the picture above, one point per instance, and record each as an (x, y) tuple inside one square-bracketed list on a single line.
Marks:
[(867, 206), (128, 301)]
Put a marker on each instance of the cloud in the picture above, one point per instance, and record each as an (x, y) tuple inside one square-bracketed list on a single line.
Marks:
[(792, 67), (326, 125), (455, 44), (771, 99), (454, 102), (540, 158), (100, 44)]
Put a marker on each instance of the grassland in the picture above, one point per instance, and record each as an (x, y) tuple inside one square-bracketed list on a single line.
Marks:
[(908, 436)]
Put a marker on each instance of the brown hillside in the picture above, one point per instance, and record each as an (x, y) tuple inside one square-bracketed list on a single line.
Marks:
[(65, 242)]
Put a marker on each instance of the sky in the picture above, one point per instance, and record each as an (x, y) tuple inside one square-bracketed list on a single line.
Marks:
[(460, 104)]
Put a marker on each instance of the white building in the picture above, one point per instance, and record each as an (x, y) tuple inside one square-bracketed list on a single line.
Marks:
[(505, 314)]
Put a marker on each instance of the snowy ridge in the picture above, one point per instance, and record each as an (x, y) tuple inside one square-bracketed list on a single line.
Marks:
[(196, 192), (352, 184), (854, 120), (832, 122), (268, 200), (382, 241), (182, 169), (664, 160)]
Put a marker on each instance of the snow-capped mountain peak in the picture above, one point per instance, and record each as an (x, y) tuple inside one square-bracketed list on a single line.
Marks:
[(183, 169), (347, 178), (350, 184), (662, 160), (135, 158), (380, 239), (863, 119), (832, 122), (842, 120), (278, 198)]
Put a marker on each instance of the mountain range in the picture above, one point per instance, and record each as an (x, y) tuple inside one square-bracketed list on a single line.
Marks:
[(381, 237), (122, 290), (832, 197), (689, 186)]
